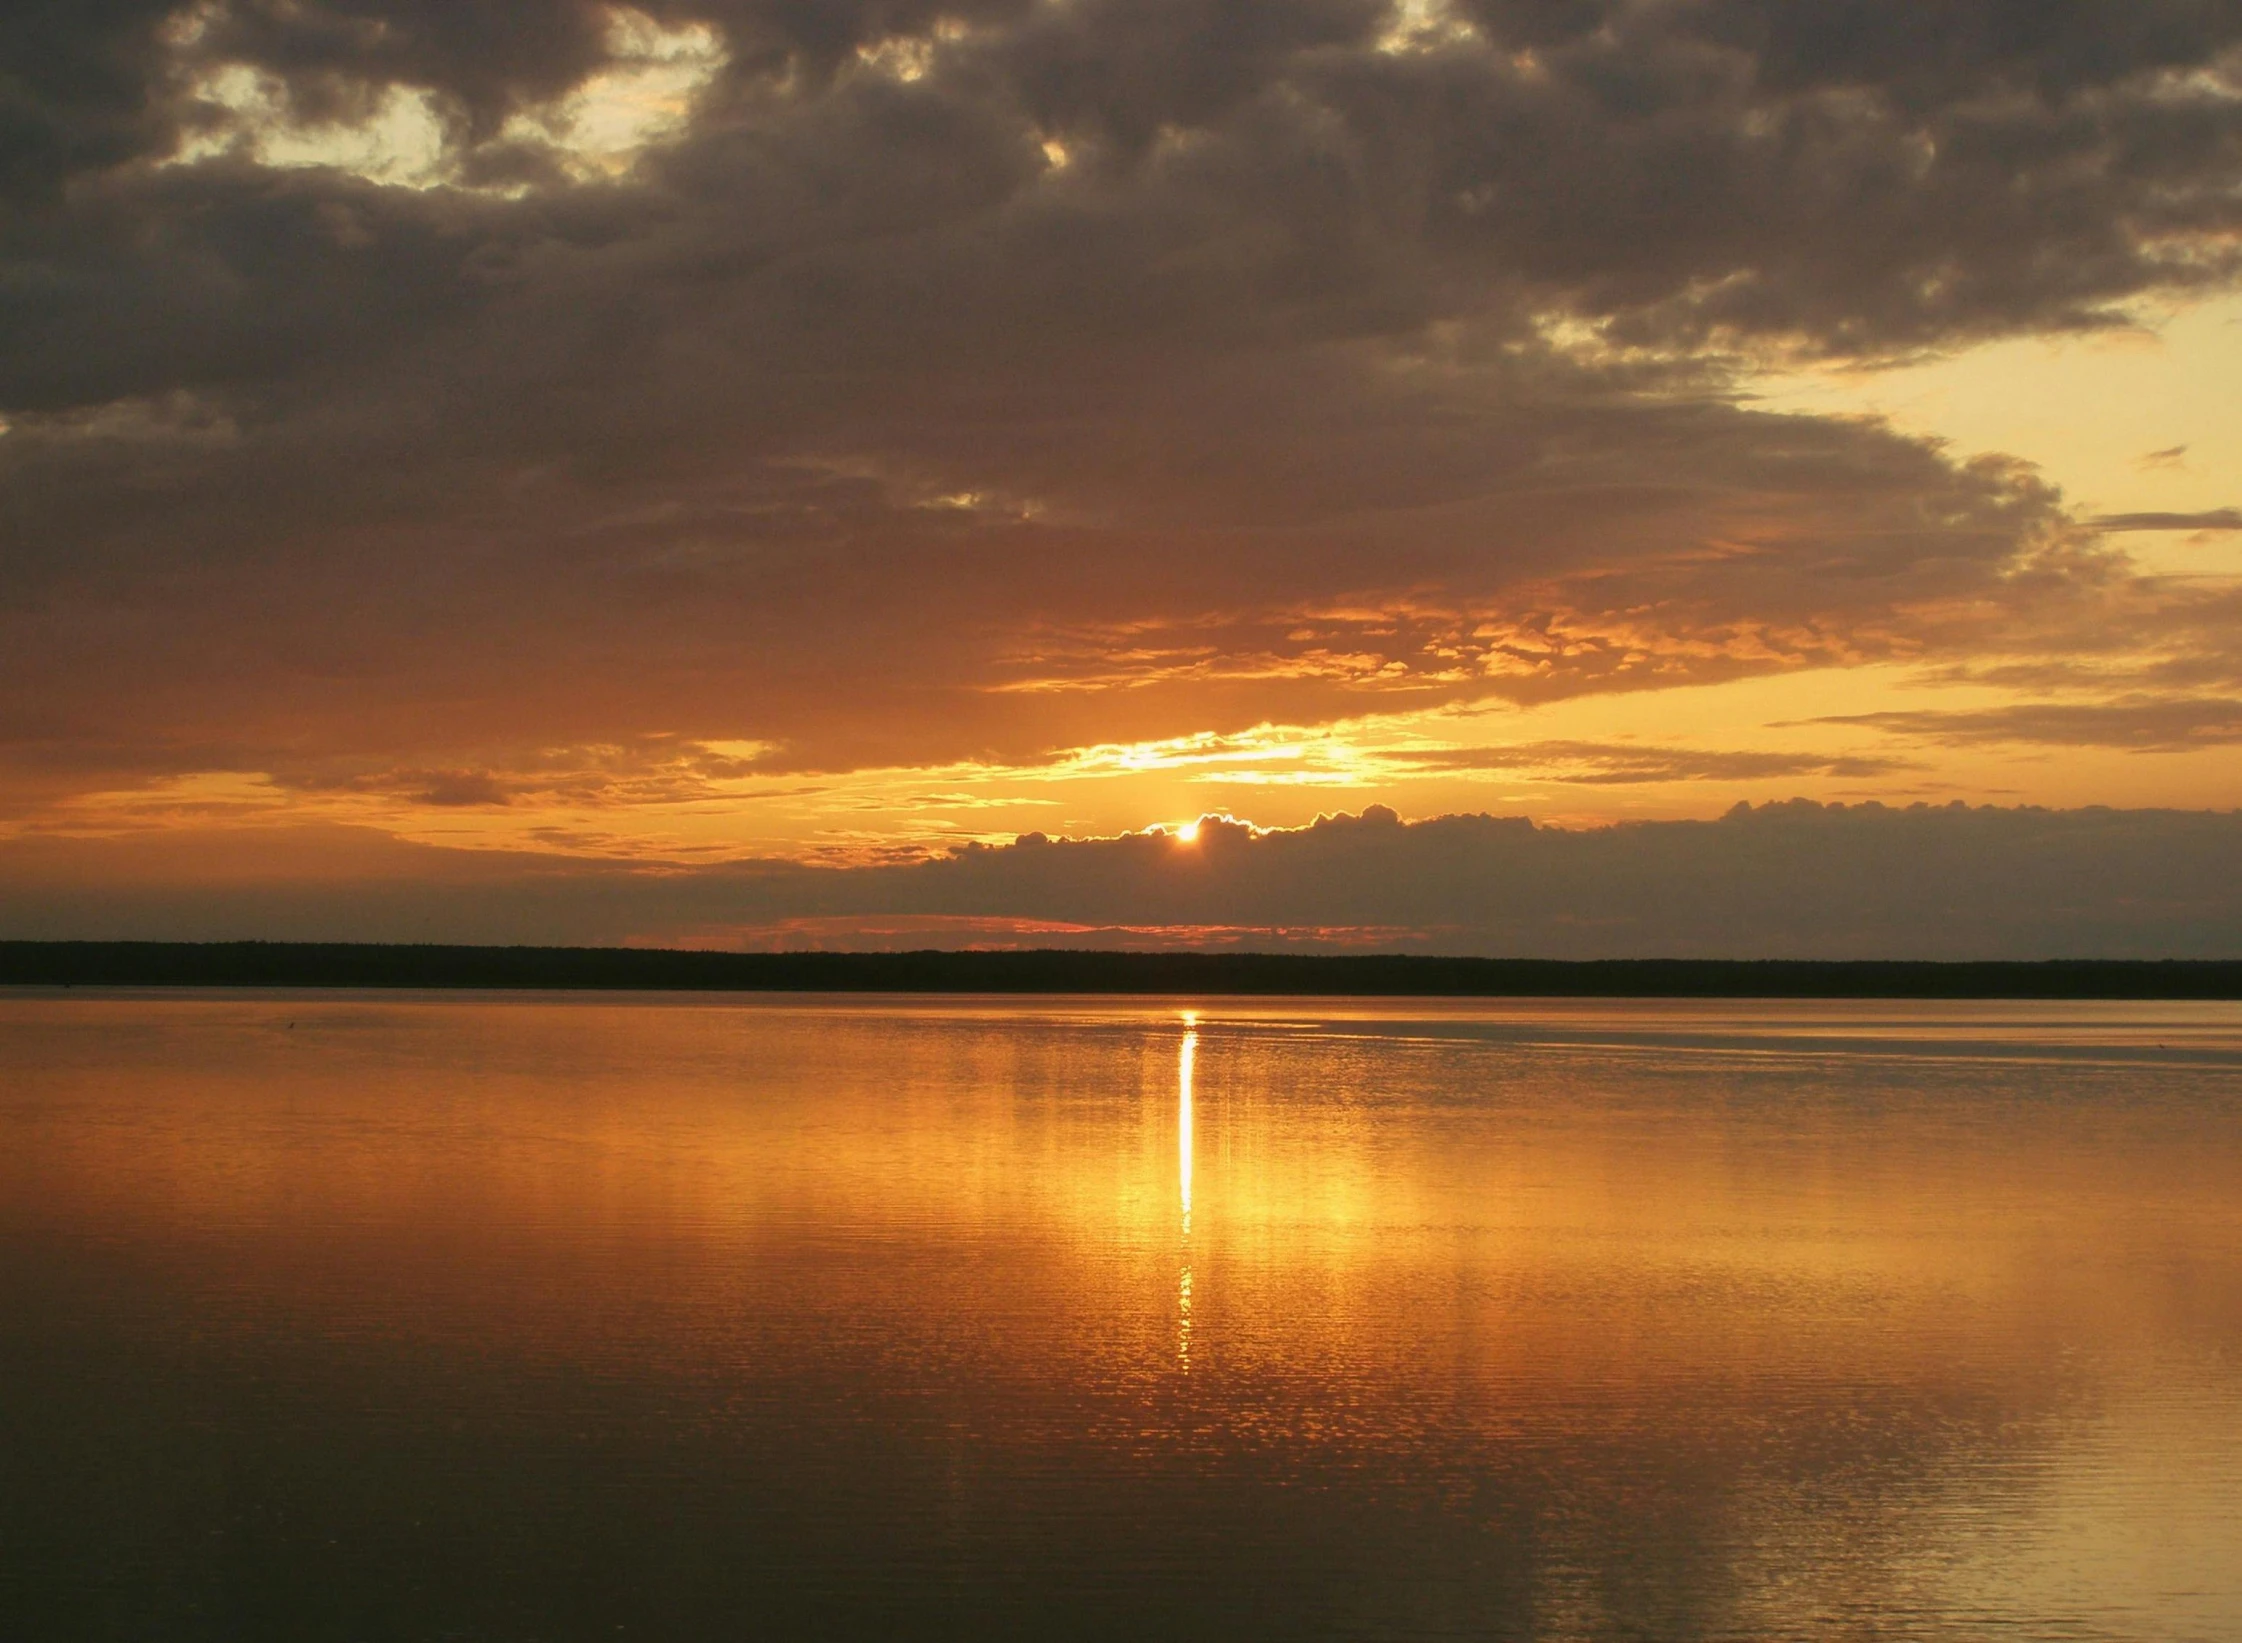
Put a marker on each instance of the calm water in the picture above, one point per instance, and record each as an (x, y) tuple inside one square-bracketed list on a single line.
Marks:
[(372, 1317)]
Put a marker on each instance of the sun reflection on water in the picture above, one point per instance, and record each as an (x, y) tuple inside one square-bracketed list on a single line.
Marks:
[(1184, 1124), (1183, 1119), (1509, 1305)]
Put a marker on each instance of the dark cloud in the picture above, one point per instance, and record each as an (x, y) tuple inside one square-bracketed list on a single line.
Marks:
[(1621, 764), (461, 788), (82, 88), (1960, 50), (986, 378), (2145, 725), (2140, 643), (2215, 519), (1783, 880)]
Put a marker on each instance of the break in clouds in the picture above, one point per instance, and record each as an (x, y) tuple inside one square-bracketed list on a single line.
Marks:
[(398, 385)]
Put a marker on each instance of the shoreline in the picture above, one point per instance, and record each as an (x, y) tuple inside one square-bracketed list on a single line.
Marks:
[(1065, 970)]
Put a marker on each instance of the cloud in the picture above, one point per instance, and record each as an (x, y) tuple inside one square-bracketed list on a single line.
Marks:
[(1618, 764), (2144, 725), (916, 383), (461, 787), (2215, 519), (1795, 879)]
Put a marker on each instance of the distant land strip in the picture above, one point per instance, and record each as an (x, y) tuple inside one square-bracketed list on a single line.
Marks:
[(321, 964)]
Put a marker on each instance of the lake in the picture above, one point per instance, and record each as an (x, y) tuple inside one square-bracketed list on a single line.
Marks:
[(381, 1316)]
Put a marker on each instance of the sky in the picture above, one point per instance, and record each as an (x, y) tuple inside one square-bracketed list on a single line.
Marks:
[(867, 472)]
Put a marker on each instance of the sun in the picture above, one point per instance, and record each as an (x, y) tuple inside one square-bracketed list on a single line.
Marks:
[(1188, 833)]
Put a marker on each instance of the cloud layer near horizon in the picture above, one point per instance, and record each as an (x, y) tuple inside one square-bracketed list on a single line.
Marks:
[(1780, 881)]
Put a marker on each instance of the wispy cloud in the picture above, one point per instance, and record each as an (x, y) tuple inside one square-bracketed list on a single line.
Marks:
[(2211, 519), (2143, 724), (1624, 764)]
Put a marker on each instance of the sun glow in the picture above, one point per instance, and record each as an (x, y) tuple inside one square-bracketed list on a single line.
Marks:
[(1194, 830)]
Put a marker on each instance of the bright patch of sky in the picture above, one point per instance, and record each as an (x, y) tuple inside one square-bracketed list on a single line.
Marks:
[(1423, 25), (644, 95), (399, 144), (2143, 420)]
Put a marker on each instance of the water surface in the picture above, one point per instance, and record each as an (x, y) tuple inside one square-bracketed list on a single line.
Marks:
[(376, 1316)]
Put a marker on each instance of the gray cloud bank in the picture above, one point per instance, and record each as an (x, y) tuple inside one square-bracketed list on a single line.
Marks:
[(993, 377), (1783, 880)]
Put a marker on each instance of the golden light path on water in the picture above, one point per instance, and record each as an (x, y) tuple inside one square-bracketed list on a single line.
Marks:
[(1184, 1125), (1120, 1319)]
